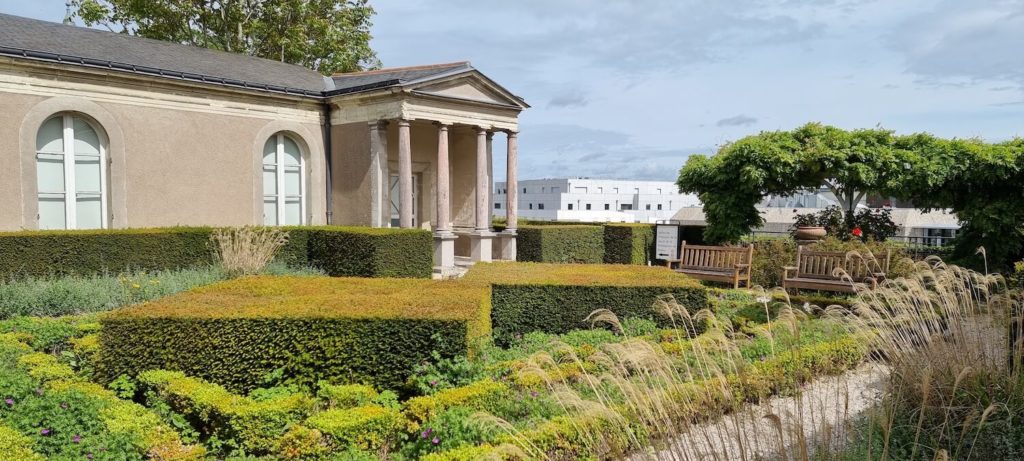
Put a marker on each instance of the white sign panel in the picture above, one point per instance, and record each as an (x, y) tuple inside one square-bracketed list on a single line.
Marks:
[(667, 241)]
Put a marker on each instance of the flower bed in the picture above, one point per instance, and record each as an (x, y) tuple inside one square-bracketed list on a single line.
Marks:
[(309, 328)]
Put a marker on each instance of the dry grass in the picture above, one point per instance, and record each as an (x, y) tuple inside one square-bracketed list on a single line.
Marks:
[(940, 333), (247, 250)]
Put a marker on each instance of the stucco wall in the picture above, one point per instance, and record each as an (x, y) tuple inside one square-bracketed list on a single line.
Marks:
[(350, 179), (178, 156)]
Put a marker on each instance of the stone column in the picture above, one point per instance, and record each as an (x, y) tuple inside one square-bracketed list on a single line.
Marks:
[(490, 177), (378, 174), (444, 239), (481, 180), (508, 238), (481, 239), (404, 175), (512, 181)]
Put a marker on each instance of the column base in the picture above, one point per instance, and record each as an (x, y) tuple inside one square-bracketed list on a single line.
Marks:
[(508, 245), (444, 253), (480, 245)]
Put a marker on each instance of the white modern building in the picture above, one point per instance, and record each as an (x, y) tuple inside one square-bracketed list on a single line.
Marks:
[(595, 200)]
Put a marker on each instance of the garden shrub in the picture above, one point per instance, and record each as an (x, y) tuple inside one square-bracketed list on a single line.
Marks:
[(254, 425), (557, 298), (628, 243), (17, 446), (366, 428), (465, 453), (347, 395), (354, 330), (560, 244), (349, 251), (477, 396)]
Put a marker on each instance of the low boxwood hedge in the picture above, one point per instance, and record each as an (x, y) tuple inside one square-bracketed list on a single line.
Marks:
[(628, 243), (353, 330), (560, 244), (339, 251), (556, 298)]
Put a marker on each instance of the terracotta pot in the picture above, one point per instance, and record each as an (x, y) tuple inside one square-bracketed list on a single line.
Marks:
[(810, 233)]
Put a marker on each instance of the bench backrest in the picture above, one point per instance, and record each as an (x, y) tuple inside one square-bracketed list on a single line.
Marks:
[(822, 264), (713, 257)]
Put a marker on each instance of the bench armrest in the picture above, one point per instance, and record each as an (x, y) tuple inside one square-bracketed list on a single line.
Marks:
[(787, 269), (668, 262)]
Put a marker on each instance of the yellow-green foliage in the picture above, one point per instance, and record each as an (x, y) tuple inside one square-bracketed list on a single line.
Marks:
[(556, 298), (147, 431), (468, 453), (477, 396), (254, 424), (564, 243), (301, 442), (347, 395), (367, 428), (86, 347), (14, 446), (46, 367), (317, 328)]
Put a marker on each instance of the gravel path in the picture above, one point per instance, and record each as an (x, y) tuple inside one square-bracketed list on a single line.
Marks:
[(754, 434)]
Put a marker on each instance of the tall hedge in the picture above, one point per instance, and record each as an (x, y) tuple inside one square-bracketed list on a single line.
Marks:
[(557, 298), (628, 243), (560, 244), (353, 330), (340, 251), (88, 252)]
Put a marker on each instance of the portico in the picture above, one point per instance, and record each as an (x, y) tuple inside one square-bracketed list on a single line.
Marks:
[(428, 158)]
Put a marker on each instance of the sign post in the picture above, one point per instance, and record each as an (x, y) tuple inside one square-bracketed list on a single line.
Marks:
[(666, 241)]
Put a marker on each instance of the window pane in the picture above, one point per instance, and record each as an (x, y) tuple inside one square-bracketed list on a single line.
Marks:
[(269, 180), (87, 174), (86, 139), (292, 211), (51, 136), (270, 151), (269, 212), (292, 181), (291, 152), (89, 215), (51, 212), (50, 173)]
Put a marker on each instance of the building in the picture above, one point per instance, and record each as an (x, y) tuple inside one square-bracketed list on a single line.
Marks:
[(105, 130), (595, 200), (933, 228)]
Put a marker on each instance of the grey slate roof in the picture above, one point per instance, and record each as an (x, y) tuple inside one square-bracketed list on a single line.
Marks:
[(389, 77), (79, 45), (54, 42)]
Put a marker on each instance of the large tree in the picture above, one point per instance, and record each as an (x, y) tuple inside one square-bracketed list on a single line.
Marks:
[(982, 183), (325, 35)]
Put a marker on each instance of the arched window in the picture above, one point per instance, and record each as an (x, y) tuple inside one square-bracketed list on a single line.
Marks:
[(284, 182), (71, 174)]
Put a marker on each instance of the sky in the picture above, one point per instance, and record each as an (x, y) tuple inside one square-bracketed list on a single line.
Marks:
[(628, 89)]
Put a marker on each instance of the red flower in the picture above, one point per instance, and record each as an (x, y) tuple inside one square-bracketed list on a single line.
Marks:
[(857, 232)]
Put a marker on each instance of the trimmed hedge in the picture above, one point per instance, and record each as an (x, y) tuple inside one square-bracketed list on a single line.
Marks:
[(560, 244), (628, 243), (89, 252), (556, 298), (353, 330), (339, 251)]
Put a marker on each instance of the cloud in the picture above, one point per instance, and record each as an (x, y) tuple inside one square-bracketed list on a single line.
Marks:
[(980, 39), (739, 120), (571, 99)]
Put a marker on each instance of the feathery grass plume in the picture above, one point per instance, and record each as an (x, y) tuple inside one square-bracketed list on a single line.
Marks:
[(247, 250)]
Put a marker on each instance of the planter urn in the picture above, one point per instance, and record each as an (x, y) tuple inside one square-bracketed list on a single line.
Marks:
[(810, 233)]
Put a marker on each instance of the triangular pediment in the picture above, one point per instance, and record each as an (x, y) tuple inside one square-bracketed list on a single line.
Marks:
[(471, 86)]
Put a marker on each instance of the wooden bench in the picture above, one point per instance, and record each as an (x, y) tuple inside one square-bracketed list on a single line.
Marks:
[(816, 270), (714, 263)]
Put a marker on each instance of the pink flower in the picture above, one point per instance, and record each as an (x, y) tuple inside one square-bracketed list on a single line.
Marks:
[(76, 439), (9, 402), (435, 441), (44, 432)]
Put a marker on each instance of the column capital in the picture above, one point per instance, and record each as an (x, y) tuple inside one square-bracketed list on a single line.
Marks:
[(402, 122), (377, 124), (490, 135), (511, 133), (443, 125), (480, 129)]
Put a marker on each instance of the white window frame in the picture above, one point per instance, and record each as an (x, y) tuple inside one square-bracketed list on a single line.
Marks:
[(69, 155), (280, 198)]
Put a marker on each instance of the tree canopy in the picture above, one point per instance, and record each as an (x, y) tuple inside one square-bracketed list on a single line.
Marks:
[(980, 182), (326, 35)]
